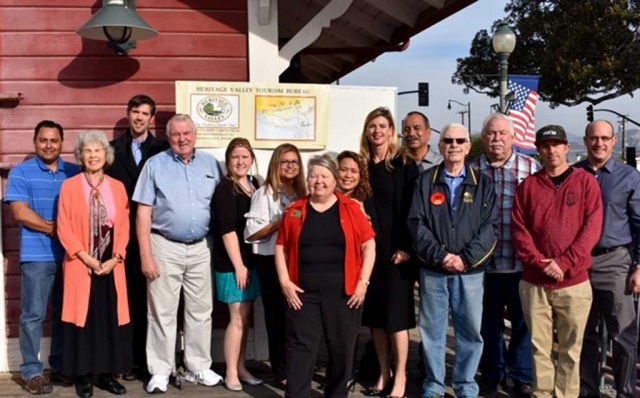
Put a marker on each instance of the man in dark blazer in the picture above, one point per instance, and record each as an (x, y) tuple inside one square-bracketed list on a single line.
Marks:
[(132, 150)]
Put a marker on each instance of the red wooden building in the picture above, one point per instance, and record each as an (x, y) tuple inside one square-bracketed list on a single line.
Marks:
[(47, 71)]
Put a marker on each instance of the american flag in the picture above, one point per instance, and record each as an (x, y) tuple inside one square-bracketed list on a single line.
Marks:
[(522, 110)]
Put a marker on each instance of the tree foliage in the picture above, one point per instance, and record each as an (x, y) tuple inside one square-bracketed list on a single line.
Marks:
[(477, 148), (583, 50)]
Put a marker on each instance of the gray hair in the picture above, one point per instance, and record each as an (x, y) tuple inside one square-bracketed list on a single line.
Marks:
[(323, 161), (90, 137), (454, 126), (180, 117), (495, 116)]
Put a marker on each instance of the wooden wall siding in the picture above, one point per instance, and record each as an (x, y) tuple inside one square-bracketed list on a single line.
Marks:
[(83, 84)]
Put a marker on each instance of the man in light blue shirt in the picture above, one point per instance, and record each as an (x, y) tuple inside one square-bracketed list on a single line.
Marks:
[(454, 182), (32, 192), (174, 194)]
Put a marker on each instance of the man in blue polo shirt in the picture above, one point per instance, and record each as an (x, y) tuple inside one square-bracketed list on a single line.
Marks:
[(32, 192)]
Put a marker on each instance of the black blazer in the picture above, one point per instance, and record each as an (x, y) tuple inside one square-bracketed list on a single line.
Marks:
[(124, 169), (404, 179)]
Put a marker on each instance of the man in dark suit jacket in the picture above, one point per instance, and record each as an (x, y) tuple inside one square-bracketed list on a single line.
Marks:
[(132, 150)]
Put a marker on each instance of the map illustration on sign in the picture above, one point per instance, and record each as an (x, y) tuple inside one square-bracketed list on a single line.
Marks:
[(285, 118)]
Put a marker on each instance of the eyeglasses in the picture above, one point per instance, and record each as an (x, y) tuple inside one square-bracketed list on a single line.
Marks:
[(287, 163), (458, 141), (594, 139)]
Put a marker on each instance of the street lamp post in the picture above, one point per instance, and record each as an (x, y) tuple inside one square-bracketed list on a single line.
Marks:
[(468, 111), (503, 41)]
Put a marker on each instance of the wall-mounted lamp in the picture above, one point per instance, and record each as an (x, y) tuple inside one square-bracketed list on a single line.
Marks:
[(118, 23)]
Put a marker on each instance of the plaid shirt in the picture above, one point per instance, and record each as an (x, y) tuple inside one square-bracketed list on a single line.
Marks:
[(506, 180)]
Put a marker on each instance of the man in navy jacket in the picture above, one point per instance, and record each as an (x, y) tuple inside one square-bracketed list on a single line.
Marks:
[(453, 222)]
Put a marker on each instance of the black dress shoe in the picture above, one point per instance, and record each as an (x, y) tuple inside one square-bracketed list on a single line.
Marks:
[(372, 391), (110, 384), (523, 390), (488, 387), (60, 379), (130, 375), (84, 388)]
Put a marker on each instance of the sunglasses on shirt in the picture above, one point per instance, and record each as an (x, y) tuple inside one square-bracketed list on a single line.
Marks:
[(458, 141)]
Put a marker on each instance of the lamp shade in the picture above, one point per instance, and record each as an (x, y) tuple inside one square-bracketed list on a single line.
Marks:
[(504, 40), (117, 23)]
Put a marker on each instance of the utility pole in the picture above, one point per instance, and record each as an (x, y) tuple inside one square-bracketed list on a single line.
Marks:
[(462, 116), (623, 132)]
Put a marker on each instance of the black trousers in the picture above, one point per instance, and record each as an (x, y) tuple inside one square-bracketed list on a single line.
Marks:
[(328, 313), (611, 298), (137, 293), (274, 313)]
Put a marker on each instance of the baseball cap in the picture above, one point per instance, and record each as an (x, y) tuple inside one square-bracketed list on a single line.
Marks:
[(551, 132)]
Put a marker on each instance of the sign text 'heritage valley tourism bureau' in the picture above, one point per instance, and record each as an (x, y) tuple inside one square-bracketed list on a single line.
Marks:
[(266, 114)]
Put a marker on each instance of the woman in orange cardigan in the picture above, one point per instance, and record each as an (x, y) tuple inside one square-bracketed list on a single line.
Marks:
[(93, 227)]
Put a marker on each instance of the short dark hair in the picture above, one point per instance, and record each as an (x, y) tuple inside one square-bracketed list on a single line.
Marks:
[(424, 118), (48, 124), (141, 99)]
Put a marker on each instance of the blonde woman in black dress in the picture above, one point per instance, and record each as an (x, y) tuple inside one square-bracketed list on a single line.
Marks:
[(389, 308)]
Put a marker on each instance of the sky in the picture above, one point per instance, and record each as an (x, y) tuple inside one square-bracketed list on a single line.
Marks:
[(431, 57)]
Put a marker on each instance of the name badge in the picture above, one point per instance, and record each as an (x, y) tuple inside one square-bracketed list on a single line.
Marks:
[(296, 214), (467, 198)]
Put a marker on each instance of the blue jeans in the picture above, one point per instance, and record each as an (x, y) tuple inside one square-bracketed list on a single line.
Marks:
[(462, 294), (40, 281), (498, 362)]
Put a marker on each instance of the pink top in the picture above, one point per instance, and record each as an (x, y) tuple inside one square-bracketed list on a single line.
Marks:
[(107, 197)]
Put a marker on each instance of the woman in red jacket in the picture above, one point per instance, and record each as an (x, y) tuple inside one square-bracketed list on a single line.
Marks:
[(324, 257)]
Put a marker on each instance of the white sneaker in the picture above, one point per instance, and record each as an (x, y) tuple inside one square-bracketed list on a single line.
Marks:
[(207, 378), (157, 384)]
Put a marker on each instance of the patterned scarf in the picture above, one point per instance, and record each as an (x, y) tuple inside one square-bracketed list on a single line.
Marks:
[(100, 228)]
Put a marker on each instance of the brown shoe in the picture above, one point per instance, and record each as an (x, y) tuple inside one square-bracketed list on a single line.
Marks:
[(38, 385)]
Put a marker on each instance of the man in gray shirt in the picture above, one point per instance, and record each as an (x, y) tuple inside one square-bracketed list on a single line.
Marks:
[(615, 259), (174, 194), (416, 133)]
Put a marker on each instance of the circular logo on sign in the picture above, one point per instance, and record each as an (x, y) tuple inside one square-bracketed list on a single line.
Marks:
[(438, 198), (214, 109)]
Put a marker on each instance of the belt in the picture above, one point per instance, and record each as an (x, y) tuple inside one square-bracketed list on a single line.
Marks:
[(188, 242), (605, 250)]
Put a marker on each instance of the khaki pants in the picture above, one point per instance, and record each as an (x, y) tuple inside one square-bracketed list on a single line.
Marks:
[(571, 307), (186, 267)]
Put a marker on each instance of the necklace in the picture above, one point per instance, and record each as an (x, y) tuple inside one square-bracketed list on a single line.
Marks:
[(249, 192), (94, 187), (290, 198)]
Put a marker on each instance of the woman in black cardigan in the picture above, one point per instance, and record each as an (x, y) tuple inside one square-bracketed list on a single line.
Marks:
[(389, 308)]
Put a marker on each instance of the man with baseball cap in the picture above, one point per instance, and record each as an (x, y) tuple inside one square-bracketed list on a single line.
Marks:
[(556, 222)]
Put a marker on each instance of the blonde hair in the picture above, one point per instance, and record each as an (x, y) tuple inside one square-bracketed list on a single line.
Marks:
[(394, 149), (273, 173)]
